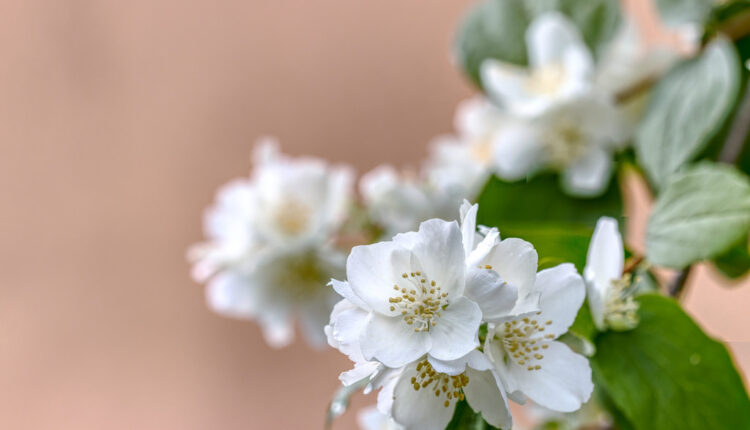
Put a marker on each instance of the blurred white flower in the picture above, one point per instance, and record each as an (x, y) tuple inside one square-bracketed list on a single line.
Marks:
[(577, 138), (560, 68), (609, 290), (426, 393), (412, 289), (269, 255), (372, 419), (525, 354), (461, 164)]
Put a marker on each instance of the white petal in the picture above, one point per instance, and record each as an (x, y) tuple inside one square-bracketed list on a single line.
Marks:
[(346, 324), (495, 297), (359, 372), (312, 320), (345, 291), (419, 410), (278, 331), (372, 270), (589, 175), (385, 396), (468, 226), (516, 261), (456, 332), (441, 254), (517, 151), (562, 293), (505, 83), (475, 359), (233, 294), (393, 342), (484, 395), (549, 37), (562, 384), (491, 239), (604, 264)]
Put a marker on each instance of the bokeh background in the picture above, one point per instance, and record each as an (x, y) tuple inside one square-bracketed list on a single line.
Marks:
[(117, 122)]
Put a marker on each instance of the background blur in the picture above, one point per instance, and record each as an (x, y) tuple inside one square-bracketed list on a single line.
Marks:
[(118, 120)]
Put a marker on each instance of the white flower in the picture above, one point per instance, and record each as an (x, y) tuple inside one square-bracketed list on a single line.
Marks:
[(426, 393), (525, 354), (609, 291), (577, 138), (462, 162), (372, 419), (560, 68), (412, 290), (269, 255)]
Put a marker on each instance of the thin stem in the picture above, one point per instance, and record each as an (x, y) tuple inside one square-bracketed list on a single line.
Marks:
[(738, 131), (676, 288)]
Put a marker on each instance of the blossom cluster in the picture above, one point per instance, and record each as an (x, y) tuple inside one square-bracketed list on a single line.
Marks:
[(447, 313)]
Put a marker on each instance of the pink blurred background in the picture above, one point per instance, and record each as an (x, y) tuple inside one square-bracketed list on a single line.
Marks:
[(120, 119)]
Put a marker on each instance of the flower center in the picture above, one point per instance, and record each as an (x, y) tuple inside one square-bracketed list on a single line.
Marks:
[(546, 80), (420, 301), (524, 351), (620, 309), (292, 217), (564, 143), (444, 385)]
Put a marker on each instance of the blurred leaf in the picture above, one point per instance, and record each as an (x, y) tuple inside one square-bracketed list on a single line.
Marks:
[(583, 326), (676, 13), (497, 28), (734, 263), (466, 419), (492, 29), (688, 107), (667, 374), (559, 226), (700, 214)]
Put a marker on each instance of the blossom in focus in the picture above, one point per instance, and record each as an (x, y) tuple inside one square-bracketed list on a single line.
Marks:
[(610, 292), (412, 290), (561, 67), (526, 355), (577, 138), (426, 393), (269, 253)]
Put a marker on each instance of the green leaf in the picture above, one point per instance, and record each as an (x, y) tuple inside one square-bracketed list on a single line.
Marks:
[(464, 418), (667, 374), (735, 263), (583, 326), (687, 108), (559, 226), (497, 28), (678, 12), (700, 214)]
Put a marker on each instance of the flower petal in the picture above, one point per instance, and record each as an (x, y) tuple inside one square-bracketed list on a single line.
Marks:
[(468, 226), (485, 395), (419, 410), (505, 83), (549, 37), (232, 294), (563, 383), (372, 270), (589, 175), (392, 342), (441, 254), (562, 293), (456, 332), (517, 150), (495, 297), (360, 371), (475, 359), (345, 291), (515, 260), (604, 263)]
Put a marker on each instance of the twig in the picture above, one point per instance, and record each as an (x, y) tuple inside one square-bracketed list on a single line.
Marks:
[(738, 131), (677, 286)]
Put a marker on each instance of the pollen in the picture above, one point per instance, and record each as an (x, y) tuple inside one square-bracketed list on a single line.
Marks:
[(451, 387), (419, 306), (522, 340)]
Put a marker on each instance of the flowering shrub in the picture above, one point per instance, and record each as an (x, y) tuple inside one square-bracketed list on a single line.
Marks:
[(497, 272)]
